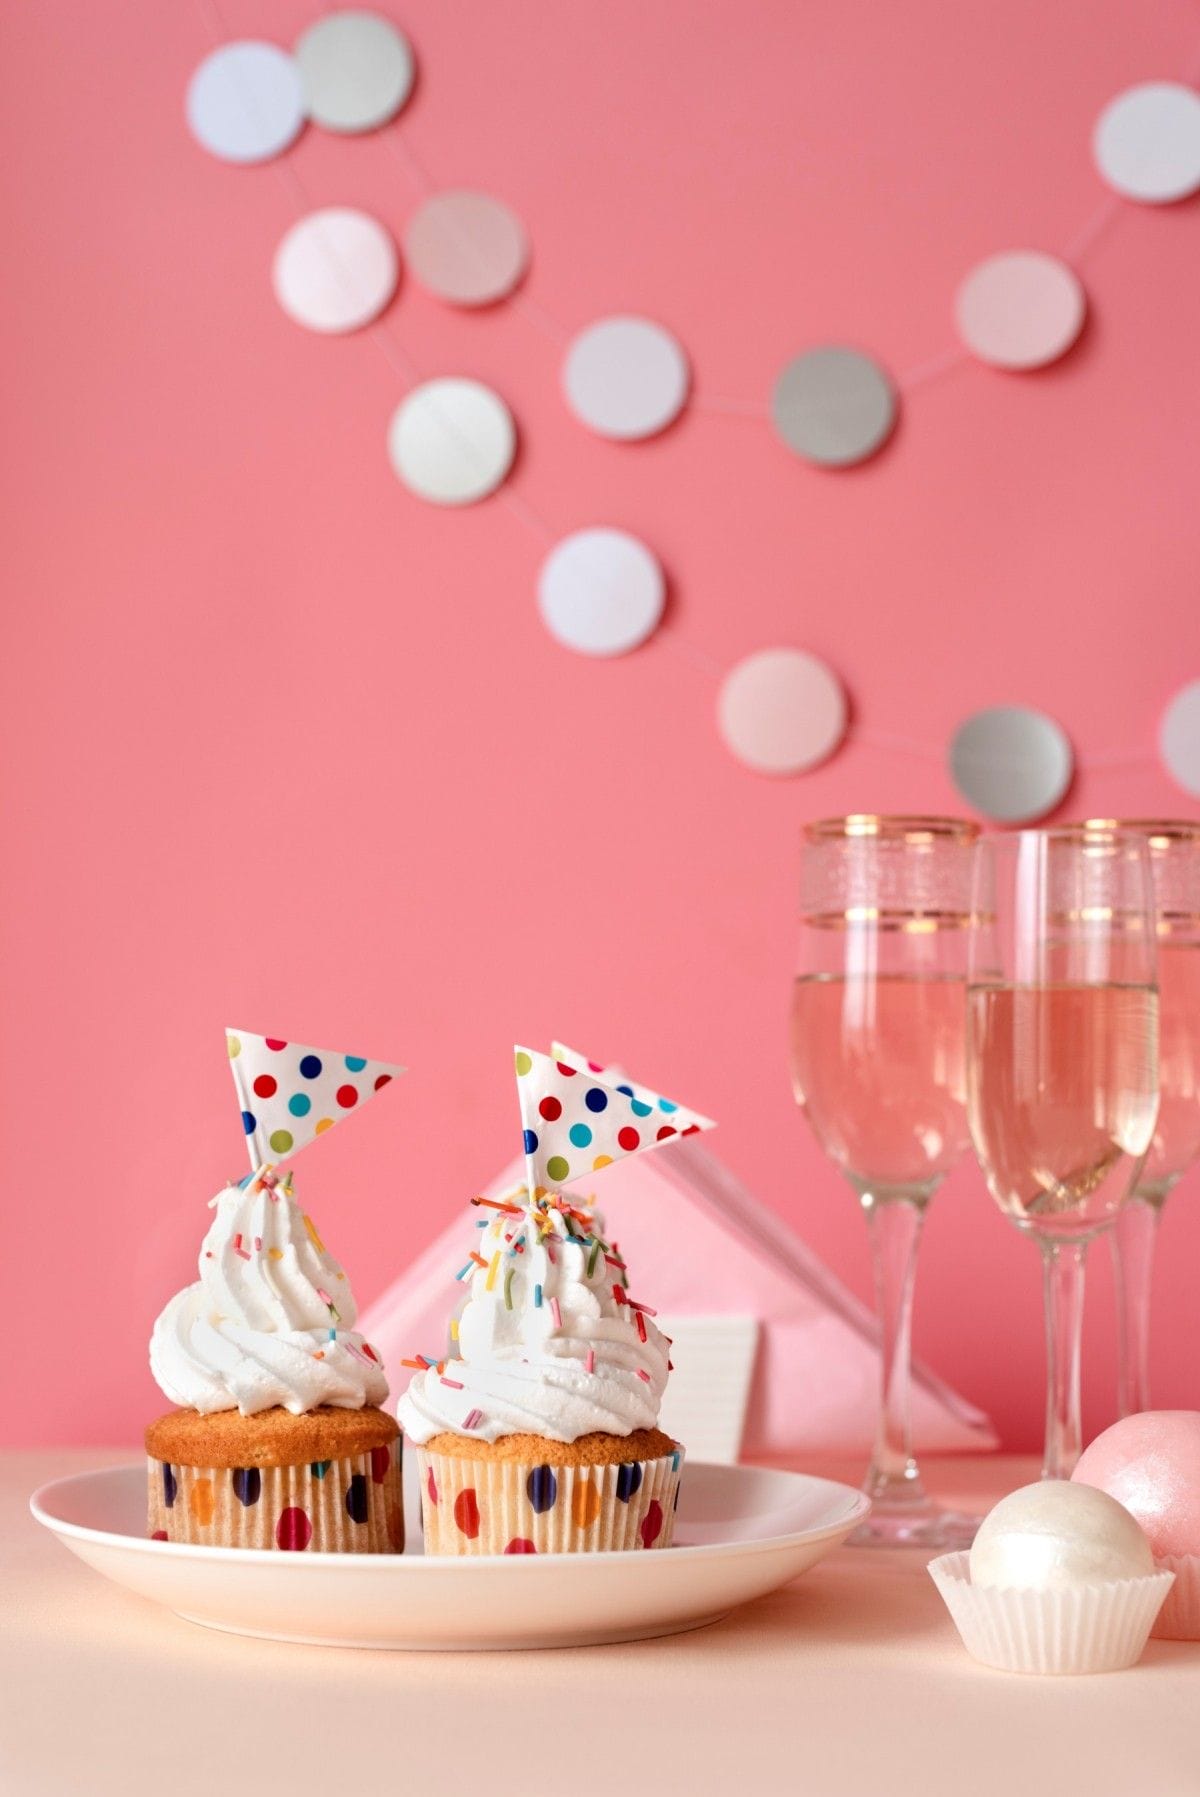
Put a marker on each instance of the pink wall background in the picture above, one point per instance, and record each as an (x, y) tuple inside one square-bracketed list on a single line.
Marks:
[(288, 749)]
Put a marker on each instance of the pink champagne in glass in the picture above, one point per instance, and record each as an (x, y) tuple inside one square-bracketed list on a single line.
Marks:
[(1173, 846), (878, 1033)]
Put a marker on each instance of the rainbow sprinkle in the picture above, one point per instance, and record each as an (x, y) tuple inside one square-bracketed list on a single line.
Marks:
[(643, 1374), (508, 1279), (589, 1365), (556, 1313), (493, 1269), (537, 1297), (315, 1239), (454, 1384), (472, 1419)]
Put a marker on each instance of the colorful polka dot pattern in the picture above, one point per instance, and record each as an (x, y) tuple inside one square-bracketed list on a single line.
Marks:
[(576, 1117), (340, 1505), (500, 1507), (289, 1094)]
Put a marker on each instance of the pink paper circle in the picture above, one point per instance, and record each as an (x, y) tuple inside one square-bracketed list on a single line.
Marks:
[(1020, 310), (466, 248), (781, 711), (335, 270)]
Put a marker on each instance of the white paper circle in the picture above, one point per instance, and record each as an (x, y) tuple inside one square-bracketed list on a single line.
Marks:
[(452, 441), (245, 102), (834, 406), (1179, 738), (1147, 142), (335, 270), (1011, 763), (601, 592), (466, 247), (1020, 310), (625, 377), (357, 70), (781, 711)]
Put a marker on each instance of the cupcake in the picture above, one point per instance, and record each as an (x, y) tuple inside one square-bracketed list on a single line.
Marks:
[(539, 1434), (279, 1440)]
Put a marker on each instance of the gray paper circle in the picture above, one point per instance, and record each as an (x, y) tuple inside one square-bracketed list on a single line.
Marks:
[(834, 406), (1011, 763), (357, 70)]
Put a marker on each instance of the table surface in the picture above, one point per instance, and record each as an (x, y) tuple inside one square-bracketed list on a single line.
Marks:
[(850, 1680)]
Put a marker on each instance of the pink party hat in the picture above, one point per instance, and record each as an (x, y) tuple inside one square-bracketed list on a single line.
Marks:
[(577, 1118), (291, 1094)]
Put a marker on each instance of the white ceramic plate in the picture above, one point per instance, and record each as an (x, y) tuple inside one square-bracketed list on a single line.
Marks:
[(741, 1532)]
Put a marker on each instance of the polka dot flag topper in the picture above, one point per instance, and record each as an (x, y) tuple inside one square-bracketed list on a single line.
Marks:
[(291, 1094), (577, 1118)]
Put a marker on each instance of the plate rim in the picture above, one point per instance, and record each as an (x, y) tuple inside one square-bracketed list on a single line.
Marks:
[(522, 1565)]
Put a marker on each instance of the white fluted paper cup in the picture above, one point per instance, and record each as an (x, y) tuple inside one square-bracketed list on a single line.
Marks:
[(1099, 1627), (1179, 1618)]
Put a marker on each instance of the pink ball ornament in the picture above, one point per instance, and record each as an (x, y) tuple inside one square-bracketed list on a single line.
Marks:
[(1151, 1464)]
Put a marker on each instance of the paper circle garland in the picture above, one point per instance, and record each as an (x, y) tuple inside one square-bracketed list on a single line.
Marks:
[(781, 711), (357, 70), (245, 102), (1179, 738), (625, 377), (1021, 309), (335, 270), (466, 247), (452, 441), (834, 406), (1011, 763), (1147, 142), (601, 592)]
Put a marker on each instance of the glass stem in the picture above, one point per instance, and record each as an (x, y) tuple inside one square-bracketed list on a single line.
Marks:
[(1133, 1241), (894, 1219), (1062, 1267)]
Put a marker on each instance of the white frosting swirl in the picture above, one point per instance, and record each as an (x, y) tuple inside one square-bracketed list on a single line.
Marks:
[(571, 1364), (257, 1331)]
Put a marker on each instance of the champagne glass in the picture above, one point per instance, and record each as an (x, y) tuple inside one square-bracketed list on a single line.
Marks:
[(1062, 1060), (878, 1053), (1174, 849)]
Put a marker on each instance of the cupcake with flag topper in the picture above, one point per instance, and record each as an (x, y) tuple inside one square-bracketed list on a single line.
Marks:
[(539, 1434), (279, 1440)]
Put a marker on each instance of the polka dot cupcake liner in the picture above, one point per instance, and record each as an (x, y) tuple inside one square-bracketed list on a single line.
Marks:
[(504, 1507), (1179, 1618), (349, 1506)]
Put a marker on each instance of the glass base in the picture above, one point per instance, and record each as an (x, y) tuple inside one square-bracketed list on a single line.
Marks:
[(903, 1516), (939, 1531)]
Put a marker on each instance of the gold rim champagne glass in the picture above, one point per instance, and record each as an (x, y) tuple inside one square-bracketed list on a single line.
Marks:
[(1173, 846), (878, 1056), (1062, 1060)]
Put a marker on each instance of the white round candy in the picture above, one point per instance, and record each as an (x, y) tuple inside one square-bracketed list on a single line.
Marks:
[(1055, 1535)]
